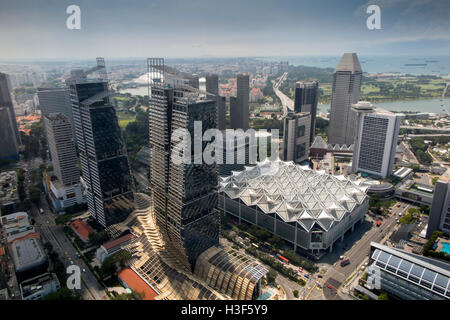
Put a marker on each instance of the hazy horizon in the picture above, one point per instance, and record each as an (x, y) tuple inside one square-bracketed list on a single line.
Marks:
[(211, 29)]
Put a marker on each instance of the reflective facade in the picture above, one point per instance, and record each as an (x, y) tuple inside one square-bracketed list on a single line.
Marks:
[(306, 99), (185, 195), (104, 161)]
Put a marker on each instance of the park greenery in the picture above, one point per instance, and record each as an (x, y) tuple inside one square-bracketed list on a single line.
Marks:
[(428, 249), (420, 150), (378, 206)]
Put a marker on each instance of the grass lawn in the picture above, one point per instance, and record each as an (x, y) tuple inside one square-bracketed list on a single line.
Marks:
[(123, 122)]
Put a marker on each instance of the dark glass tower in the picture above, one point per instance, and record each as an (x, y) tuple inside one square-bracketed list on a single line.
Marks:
[(306, 99), (6, 101), (104, 161), (185, 195)]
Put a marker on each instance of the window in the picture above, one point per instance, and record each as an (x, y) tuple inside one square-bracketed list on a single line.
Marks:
[(300, 131)]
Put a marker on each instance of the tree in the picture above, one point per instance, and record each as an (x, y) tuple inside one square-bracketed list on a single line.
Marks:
[(383, 296), (271, 276), (98, 238), (63, 294), (295, 292)]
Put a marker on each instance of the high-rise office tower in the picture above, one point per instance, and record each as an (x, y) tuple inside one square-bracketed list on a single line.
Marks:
[(346, 91), (103, 156), (212, 89), (376, 139), (440, 207), (212, 84), (221, 113), (184, 195), (306, 98), (58, 130), (296, 136), (56, 100), (239, 109), (6, 101), (8, 143)]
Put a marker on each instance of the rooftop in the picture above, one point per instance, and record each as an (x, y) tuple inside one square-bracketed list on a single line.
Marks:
[(117, 242), (27, 252), (8, 187), (295, 193), (82, 228), (136, 283)]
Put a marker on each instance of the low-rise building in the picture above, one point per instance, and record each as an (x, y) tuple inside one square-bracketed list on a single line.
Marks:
[(415, 192), (9, 196), (309, 209), (81, 229), (16, 225), (40, 286), (62, 196), (404, 173), (406, 275), (109, 248), (29, 257)]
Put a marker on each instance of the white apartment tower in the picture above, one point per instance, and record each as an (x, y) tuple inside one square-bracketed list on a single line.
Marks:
[(62, 148), (376, 139)]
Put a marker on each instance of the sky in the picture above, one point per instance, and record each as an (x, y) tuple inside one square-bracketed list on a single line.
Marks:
[(31, 29)]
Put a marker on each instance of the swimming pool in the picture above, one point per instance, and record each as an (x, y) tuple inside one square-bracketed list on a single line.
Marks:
[(446, 247)]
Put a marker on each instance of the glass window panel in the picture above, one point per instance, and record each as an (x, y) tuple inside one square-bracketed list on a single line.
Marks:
[(441, 280), (394, 262), (401, 273), (439, 289), (417, 271), (429, 275), (375, 254), (380, 264), (425, 283), (384, 257), (405, 266), (413, 278)]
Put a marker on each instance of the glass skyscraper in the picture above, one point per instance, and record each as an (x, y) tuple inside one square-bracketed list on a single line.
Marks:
[(104, 161), (184, 195)]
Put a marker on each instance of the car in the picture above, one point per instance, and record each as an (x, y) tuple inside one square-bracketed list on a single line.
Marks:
[(320, 276), (329, 287), (363, 267), (341, 257), (84, 270), (367, 263), (398, 221)]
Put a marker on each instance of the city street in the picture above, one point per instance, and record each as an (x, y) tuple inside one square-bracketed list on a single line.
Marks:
[(358, 245), (49, 231)]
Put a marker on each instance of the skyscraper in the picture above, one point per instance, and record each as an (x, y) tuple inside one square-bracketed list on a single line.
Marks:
[(239, 109), (440, 207), (346, 91), (296, 136), (212, 88), (306, 98), (376, 139), (104, 161), (56, 100), (185, 195), (6, 101), (62, 148), (8, 142)]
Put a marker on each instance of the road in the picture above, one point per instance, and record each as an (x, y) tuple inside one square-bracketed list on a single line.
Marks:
[(425, 128), (358, 251), (286, 102), (409, 154)]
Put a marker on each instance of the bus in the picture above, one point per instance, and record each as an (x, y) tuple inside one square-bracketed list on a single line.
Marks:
[(280, 257), (255, 245)]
